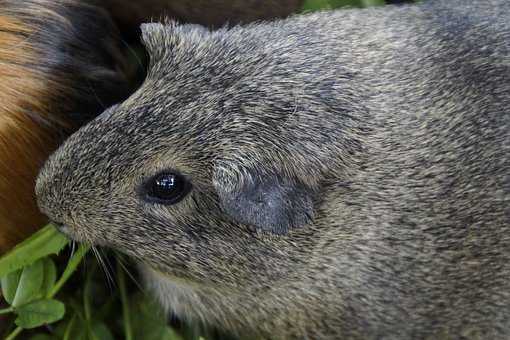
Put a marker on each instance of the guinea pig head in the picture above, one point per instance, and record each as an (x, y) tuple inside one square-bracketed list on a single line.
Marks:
[(200, 173)]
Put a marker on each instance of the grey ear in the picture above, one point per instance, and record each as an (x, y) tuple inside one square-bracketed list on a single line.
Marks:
[(270, 203), (160, 37), (153, 36)]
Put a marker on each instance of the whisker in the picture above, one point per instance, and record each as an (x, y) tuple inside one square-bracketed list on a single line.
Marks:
[(106, 260), (132, 51), (109, 278), (84, 262), (95, 94), (73, 246), (120, 261)]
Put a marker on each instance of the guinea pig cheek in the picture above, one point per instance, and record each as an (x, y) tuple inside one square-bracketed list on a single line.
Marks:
[(172, 217)]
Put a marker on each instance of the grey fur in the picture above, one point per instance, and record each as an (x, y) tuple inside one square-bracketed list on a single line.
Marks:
[(393, 121)]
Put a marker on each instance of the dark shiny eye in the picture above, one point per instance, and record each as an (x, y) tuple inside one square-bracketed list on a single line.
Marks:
[(167, 188)]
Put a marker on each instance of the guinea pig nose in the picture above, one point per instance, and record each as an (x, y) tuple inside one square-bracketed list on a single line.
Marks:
[(42, 193), (60, 226), (48, 201)]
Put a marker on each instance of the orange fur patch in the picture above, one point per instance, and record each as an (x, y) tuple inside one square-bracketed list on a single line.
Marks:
[(25, 142), (61, 64)]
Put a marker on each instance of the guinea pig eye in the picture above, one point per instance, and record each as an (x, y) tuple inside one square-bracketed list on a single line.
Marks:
[(167, 188)]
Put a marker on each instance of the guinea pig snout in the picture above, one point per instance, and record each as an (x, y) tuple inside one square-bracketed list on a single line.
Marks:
[(46, 198), (50, 195), (63, 228), (58, 197)]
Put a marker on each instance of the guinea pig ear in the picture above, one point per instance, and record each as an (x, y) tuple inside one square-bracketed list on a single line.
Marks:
[(268, 202), (161, 37), (152, 35)]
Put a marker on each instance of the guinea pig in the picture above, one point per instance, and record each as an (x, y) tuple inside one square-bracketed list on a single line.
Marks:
[(60, 65), (338, 175)]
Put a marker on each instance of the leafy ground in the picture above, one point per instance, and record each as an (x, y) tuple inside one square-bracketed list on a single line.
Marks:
[(55, 291)]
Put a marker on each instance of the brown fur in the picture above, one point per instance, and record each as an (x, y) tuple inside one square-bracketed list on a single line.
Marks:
[(24, 144)]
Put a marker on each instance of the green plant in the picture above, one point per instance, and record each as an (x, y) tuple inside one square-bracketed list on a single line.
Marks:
[(29, 280), (33, 287)]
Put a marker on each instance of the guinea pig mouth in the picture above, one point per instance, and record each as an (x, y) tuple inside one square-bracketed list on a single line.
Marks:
[(64, 229), (69, 231)]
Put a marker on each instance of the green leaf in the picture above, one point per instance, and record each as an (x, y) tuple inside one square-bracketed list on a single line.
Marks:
[(75, 329), (368, 3), (150, 322), (44, 242), (121, 279), (87, 293), (10, 285), (29, 284), (315, 5), (73, 263), (40, 312), (49, 276), (99, 331), (69, 327), (107, 309)]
